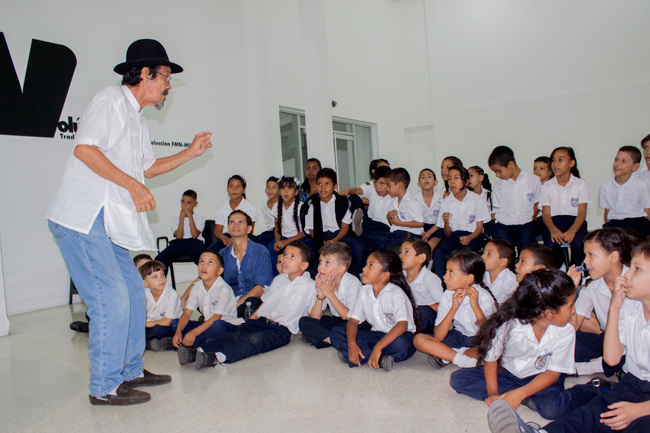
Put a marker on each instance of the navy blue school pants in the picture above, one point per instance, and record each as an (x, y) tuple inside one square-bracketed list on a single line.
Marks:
[(440, 233), (518, 235), (249, 339), (640, 224), (217, 328), (384, 240), (590, 346), (359, 253), (181, 247), (448, 245), (317, 330), (427, 319), (159, 332), (552, 402), (274, 254), (564, 223), (587, 418), (400, 349), (264, 238), (373, 233), (456, 339)]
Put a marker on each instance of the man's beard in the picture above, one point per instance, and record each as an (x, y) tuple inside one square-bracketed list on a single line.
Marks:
[(162, 103)]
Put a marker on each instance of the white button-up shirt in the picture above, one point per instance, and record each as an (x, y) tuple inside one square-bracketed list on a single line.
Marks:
[(114, 124), (289, 228), (503, 286), (429, 213), (269, 215), (426, 288), (634, 332), (378, 207), (524, 356), (596, 296), (167, 306), (221, 217), (625, 201), (386, 310), (347, 293), (513, 201), (465, 213), (408, 210), (199, 222), (564, 200), (287, 301), (219, 299), (328, 216), (465, 320)]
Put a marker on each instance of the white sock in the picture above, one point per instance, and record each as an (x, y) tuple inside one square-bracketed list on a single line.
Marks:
[(220, 357), (591, 367), (464, 361), (113, 392)]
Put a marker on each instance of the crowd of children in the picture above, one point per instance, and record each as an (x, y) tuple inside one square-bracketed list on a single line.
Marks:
[(545, 299)]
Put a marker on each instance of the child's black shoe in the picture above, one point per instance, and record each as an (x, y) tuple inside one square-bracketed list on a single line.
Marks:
[(159, 345), (342, 357), (186, 355), (436, 362), (386, 362), (204, 360)]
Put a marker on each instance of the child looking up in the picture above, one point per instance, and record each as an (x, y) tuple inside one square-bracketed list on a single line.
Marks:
[(187, 228), (429, 201), (237, 194), (425, 285), (462, 215), (499, 256), (526, 348), (163, 307), (466, 303), (625, 198), (533, 257), (269, 211), (291, 296), (336, 288), (385, 302), (515, 198), (564, 202)]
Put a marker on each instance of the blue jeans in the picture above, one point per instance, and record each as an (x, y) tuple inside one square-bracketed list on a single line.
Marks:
[(112, 288)]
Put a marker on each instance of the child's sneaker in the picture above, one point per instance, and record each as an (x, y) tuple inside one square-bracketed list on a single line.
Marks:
[(186, 355), (206, 359), (504, 419), (436, 362), (386, 362), (304, 339), (159, 345)]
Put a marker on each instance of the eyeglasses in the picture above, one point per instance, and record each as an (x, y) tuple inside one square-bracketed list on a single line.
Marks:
[(167, 77)]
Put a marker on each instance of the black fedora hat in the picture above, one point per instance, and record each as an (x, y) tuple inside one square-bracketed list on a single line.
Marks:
[(146, 52)]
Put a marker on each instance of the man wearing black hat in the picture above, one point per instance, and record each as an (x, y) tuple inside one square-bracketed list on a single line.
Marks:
[(97, 216)]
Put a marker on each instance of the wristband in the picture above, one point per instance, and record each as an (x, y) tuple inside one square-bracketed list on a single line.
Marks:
[(320, 299)]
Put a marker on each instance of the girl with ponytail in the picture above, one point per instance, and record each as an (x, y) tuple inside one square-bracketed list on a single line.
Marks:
[(385, 302)]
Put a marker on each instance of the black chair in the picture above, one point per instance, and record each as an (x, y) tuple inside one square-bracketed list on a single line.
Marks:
[(208, 235)]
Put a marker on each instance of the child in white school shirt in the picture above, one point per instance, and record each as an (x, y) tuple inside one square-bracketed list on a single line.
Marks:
[(405, 217), (216, 301), (269, 211), (499, 257), (335, 288), (163, 307), (430, 202), (425, 285)]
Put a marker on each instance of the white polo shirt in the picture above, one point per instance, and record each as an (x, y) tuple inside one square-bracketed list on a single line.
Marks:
[(564, 200), (328, 215), (625, 201), (514, 201), (408, 210), (503, 286), (426, 288), (221, 217), (378, 206), (465, 320), (643, 175), (465, 213), (386, 310), (429, 213), (634, 333), (114, 124), (347, 293), (289, 228), (220, 299), (199, 222), (269, 214), (596, 296), (524, 356), (287, 301), (168, 305)]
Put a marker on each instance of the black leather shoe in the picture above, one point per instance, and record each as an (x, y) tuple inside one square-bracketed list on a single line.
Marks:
[(125, 396), (149, 379), (186, 355), (79, 326)]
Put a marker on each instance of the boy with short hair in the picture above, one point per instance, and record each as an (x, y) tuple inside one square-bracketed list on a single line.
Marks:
[(405, 217), (499, 256), (533, 257), (328, 219), (336, 288), (515, 198), (291, 296), (187, 228), (625, 198), (163, 307), (216, 301), (626, 406)]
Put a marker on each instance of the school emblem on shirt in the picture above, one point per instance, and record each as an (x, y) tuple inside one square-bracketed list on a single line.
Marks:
[(574, 202), (390, 319), (402, 215), (435, 214), (530, 197), (472, 218), (214, 303), (540, 362)]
